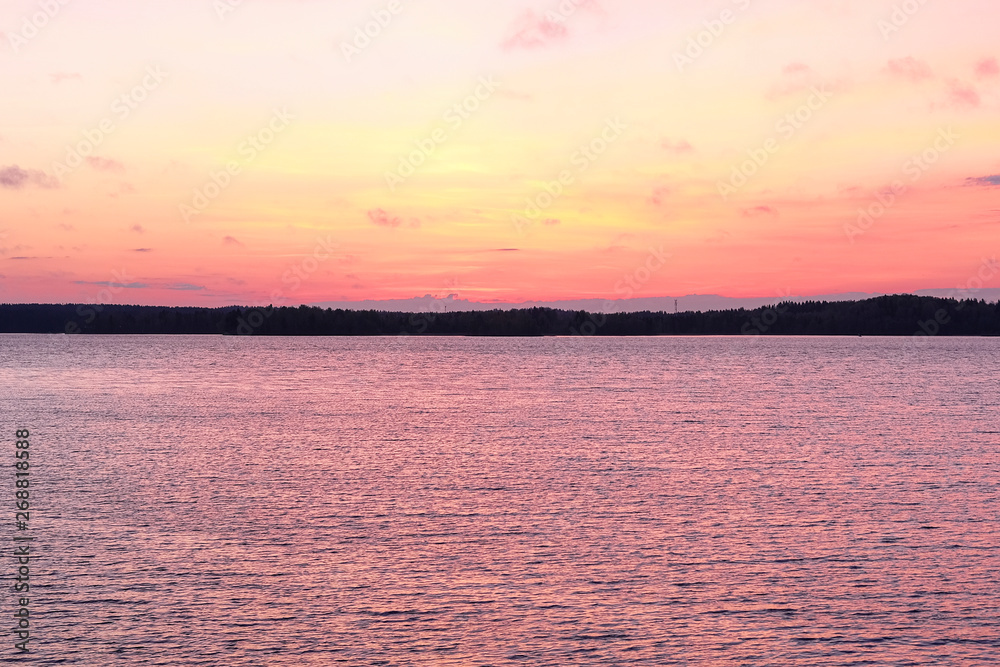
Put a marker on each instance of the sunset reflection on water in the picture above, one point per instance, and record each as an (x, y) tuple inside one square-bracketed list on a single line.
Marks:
[(516, 501)]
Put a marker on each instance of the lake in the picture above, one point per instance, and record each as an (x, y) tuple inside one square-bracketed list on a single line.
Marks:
[(459, 501)]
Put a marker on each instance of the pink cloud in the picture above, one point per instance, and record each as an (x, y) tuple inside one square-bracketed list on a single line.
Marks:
[(380, 218), (798, 78), (551, 222), (963, 95), (760, 210), (987, 68), (531, 31), (910, 68), (659, 196), (105, 164), (123, 189), (676, 146), (59, 77), (231, 240)]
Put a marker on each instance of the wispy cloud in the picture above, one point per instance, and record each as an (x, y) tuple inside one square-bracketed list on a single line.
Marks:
[(659, 196), (910, 68), (183, 287), (795, 78), (106, 283), (531, 31), (798, 78), (987, 68), (676, 147), (380, 218), (15, 178), (755, 211), (232, 240), (984, 181), (963, 94), (105, 164), (59, 77)]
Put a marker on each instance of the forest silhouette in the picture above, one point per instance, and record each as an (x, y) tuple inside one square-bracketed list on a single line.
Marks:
[(900, 315)]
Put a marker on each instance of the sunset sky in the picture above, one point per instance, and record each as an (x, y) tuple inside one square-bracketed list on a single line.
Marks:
[(215, 152)]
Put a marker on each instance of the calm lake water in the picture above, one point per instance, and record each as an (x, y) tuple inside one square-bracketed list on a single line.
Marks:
[(432, 501)]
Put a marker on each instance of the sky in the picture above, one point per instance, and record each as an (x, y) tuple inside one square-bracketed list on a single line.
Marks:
[(219, 152)]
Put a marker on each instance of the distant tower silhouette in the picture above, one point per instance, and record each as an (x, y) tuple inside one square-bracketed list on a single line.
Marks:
[(675, 307)]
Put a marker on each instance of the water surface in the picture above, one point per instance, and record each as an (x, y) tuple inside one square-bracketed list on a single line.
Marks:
[(432, 501)]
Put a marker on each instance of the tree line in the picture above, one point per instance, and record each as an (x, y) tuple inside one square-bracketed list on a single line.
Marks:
[(900, 315)]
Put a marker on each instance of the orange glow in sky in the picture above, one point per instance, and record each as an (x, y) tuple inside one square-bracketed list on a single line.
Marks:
[(214, 152)]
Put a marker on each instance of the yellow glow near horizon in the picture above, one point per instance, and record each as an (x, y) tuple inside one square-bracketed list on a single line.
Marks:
[(466, 149)]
